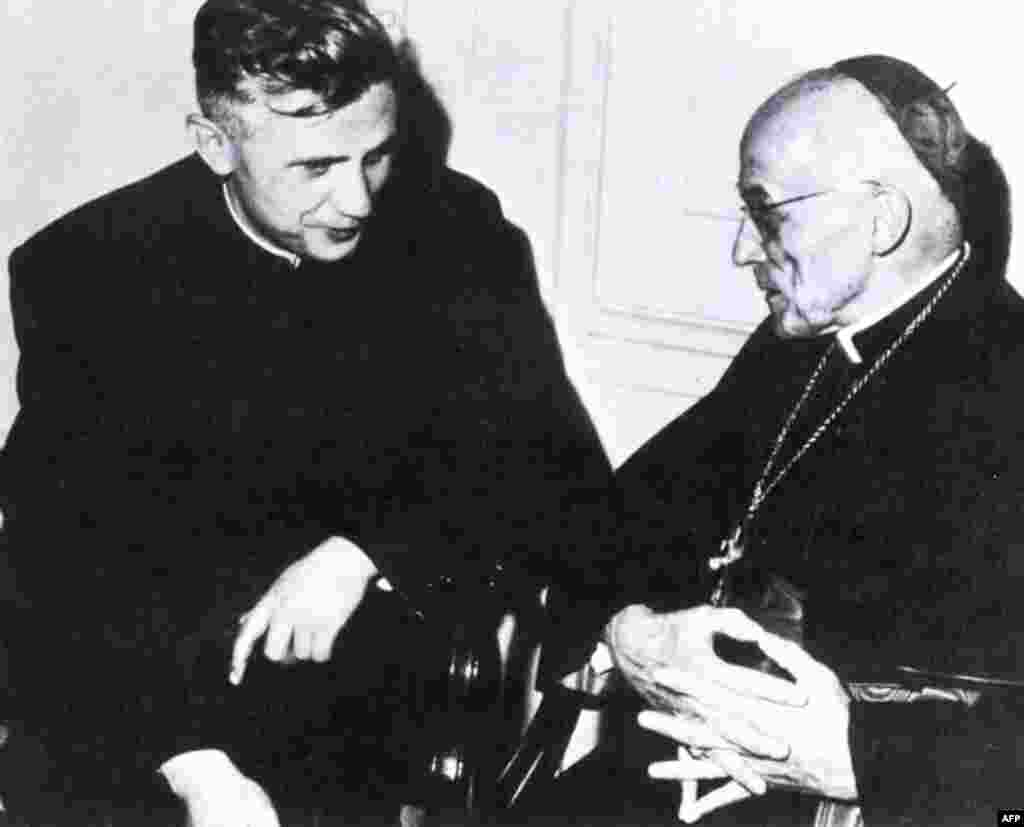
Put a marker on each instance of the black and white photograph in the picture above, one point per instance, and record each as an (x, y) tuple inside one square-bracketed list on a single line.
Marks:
[(433, 413)]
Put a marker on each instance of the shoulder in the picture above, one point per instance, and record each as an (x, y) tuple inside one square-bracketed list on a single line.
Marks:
[(460, 194), (109, 248), (138, 214), (474, 216), (452, 207), (456, 228)]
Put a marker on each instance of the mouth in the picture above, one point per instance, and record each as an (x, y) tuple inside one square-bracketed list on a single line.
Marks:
[(342, 235), (773, 297)]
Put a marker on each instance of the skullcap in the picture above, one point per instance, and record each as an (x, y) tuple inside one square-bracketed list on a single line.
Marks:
[(924, 115)]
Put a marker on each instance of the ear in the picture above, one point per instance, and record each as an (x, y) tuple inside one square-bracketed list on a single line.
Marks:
[(893, 217), (214, 145)]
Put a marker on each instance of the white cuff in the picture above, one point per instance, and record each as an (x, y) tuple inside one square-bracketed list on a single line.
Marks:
[(601, 661), (593, 678)]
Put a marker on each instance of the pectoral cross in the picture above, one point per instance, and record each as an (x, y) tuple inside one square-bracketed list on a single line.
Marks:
[(732, 550)]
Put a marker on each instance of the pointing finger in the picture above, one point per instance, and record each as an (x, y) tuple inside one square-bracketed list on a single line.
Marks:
[(254, 624)]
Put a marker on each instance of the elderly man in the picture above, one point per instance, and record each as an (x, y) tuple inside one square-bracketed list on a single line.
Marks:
[(844, 510), (307, 354)]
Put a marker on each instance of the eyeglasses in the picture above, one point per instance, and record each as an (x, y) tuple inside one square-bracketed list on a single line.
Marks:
[(761, 216)]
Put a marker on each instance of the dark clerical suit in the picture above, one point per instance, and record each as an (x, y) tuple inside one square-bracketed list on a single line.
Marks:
[(196, 413), (902, 525)]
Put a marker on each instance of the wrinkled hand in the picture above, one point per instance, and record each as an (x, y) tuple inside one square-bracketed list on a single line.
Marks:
[(303, 612), (689, 770), (643, 641), (758, 743)]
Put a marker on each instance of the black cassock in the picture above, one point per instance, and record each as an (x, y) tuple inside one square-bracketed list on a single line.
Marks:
[(196, 414), (903, 525)]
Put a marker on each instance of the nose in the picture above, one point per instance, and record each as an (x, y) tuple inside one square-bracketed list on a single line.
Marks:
[(350, 192), (747, 248)]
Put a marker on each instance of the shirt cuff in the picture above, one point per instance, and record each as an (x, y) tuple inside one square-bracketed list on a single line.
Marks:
[(601, 661), (593, 678)]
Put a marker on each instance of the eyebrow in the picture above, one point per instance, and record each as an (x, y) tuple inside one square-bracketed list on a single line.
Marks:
[(328, 160)]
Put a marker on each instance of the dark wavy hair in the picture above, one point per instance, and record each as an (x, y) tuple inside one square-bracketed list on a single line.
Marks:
[(334, 48)]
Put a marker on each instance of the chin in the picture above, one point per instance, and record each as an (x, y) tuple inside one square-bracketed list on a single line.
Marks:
[(330, 253)]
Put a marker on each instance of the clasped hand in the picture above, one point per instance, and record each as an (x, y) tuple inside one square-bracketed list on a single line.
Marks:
[(733, 722), (306, 607)]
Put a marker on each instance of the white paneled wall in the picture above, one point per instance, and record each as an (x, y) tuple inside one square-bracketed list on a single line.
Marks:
[(500, 68), (96, 96), (608, 129), (635, 224)]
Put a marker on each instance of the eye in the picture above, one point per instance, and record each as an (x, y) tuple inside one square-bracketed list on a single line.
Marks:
[(317, 169), (376, 156)]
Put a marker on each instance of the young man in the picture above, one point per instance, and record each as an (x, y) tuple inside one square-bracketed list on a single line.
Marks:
[(303, 356)]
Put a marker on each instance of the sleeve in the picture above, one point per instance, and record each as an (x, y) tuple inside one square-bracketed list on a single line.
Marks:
[(501, 469)]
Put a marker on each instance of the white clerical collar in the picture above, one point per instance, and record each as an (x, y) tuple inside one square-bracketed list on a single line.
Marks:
[(844, 335), (253, 236)]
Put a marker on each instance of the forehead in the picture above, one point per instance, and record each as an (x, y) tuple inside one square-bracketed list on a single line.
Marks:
[(275, 131), (814, 141), (784, 155)]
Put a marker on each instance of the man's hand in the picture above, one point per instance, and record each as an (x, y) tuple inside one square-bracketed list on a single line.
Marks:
[(643, 641), (216, 794), (303, 612), (689, 770), (726, 730)]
